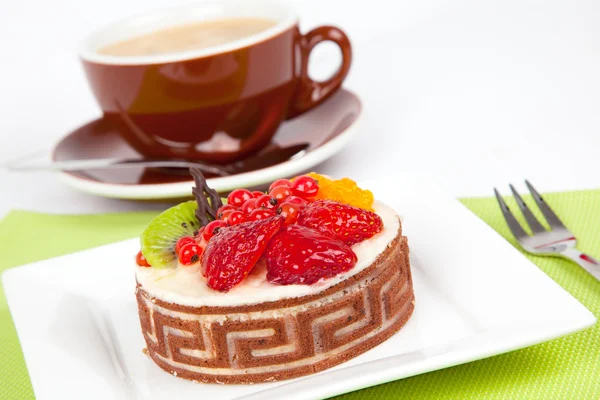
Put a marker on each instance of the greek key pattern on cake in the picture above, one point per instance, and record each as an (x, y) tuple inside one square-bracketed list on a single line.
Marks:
[(269, 344)]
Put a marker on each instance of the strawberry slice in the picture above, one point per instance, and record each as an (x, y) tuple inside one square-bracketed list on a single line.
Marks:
[(300, 255), (340, 221), (232, 253)]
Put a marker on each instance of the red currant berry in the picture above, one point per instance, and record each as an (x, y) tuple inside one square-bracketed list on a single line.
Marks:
[(190, 254), (305, 186), (200, 241), (224, 208), (141, 260), (257, 193), (280, 193), (260, 213), (236, 217), (296, 200), (266, 201), (225, 215), (290, 212), (248, 206), (280, 182), (182, 242), (239, 197), (212, 229)]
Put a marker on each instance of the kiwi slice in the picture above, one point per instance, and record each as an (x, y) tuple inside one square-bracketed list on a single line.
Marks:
[(159, 239)]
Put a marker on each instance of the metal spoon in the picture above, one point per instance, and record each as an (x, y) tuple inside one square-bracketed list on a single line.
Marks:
[(270, 156)]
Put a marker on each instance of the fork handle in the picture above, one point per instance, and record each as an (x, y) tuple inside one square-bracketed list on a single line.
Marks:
[(588, 263)]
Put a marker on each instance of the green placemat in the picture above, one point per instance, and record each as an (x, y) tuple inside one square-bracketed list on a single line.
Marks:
[(567, 368)]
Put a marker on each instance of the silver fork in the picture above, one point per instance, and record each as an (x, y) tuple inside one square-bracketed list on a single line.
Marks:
[(558, 241)]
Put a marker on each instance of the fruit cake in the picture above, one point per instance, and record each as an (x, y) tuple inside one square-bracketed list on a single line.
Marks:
[(273, 285)]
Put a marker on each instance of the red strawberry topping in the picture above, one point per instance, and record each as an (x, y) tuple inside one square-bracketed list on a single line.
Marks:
[(340, 221), (231, 254), (299, 255)]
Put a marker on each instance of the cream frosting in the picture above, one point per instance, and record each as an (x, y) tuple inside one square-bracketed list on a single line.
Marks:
[(185, 284)]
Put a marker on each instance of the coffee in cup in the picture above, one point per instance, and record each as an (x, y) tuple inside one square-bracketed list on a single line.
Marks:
[(193, 36), (209, 81)]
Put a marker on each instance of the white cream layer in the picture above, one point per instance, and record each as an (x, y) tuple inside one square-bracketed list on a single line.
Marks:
[(187, 286)]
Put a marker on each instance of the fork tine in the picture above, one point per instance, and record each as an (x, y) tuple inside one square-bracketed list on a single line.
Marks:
[(511, 221), (551, 217), (533, 223)]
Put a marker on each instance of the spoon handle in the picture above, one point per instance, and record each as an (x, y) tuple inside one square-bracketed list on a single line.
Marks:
[(112, 163)]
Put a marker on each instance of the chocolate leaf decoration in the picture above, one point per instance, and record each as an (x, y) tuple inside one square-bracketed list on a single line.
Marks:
[(207, 198)]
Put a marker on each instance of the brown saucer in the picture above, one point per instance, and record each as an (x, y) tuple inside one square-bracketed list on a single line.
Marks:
[(327, 128)]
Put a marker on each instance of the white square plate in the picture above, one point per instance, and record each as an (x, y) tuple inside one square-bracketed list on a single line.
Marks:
[(476, 296)]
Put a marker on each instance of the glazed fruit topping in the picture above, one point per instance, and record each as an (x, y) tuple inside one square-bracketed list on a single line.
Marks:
[(259, 214), (222, 209), (305, 186), (280, 193), (236, 217), (140, 260), (190, 254), (344, 191), (182, 242), (302, 229), (280, 182), (341, 221), (199, 238), (290, 212), (248, 206), (300, 255), (296, 200), (231, 254), (267, 201), (159, 239), (239, 197), (224, 216), (213, 228)]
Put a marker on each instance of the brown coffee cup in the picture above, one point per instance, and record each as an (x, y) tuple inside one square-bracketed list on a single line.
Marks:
[(219, 103)]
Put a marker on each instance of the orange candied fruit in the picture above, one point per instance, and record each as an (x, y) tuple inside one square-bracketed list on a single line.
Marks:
[(344, 191)]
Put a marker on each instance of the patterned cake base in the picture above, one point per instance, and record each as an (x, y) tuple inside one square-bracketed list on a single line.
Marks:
[(286, 338)]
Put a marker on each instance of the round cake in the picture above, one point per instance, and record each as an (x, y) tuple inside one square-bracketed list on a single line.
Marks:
[(317, 290)]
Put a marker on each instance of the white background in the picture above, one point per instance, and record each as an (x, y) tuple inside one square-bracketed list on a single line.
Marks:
[(474, 93)]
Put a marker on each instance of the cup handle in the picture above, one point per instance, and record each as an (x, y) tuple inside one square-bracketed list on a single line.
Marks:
[(310, 93)]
